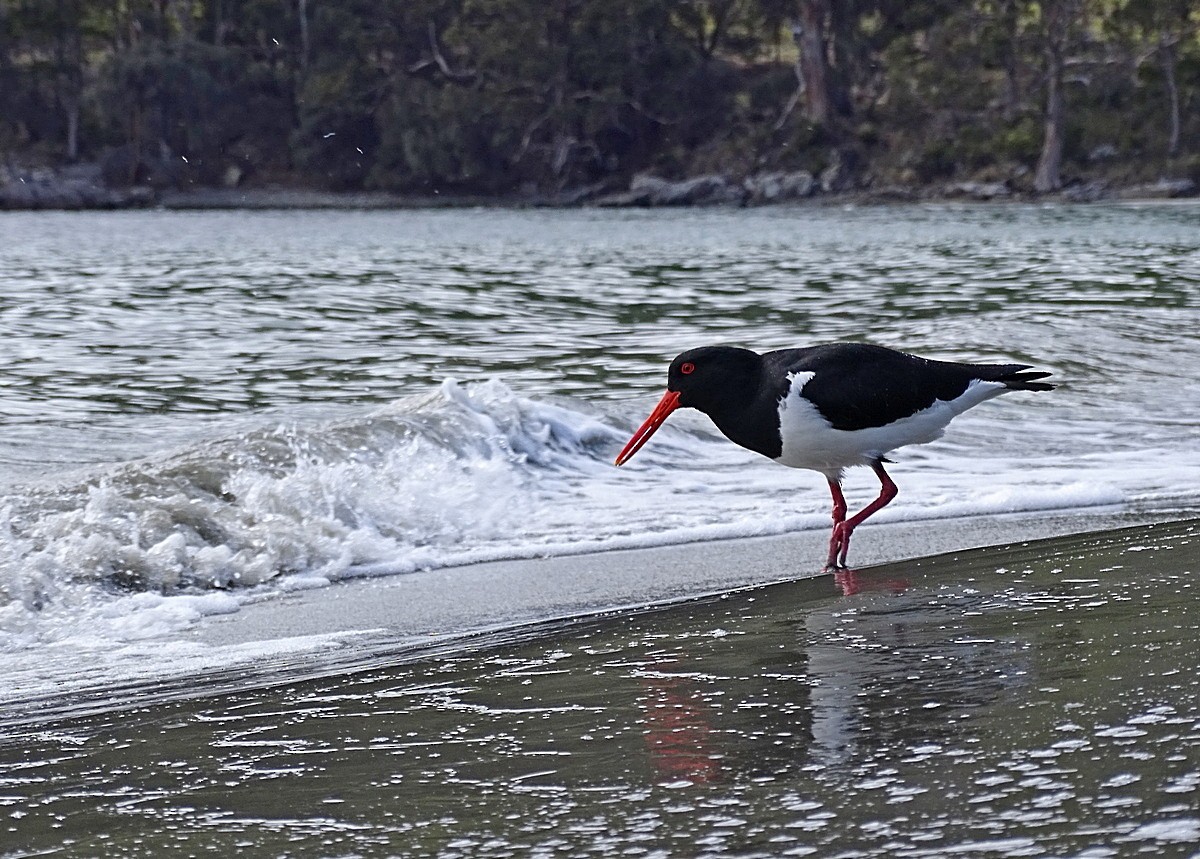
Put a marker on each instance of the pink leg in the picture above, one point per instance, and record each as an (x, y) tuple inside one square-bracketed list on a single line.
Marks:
[(840, 544), (839, 516)]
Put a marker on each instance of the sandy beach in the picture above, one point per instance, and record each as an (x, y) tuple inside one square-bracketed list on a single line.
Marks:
[(1036, 685), (426, 607), (349, 625)]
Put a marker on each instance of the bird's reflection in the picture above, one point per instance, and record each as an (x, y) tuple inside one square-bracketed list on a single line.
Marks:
[(679, 733), (884, 671), (850, 582)]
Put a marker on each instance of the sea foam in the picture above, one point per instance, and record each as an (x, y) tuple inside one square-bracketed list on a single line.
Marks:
[(461, 474)]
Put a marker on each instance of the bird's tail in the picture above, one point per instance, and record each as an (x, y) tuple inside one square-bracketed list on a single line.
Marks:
[(1014, 377)]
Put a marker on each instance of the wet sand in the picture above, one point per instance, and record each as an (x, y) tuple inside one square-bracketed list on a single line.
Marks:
[(433, 606), (1024, 700), (342, 627)]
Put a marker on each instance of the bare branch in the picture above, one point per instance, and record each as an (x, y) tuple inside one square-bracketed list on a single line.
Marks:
[(438, 60)]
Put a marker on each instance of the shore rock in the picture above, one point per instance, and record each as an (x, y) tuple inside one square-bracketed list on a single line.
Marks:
[(841, 174), (892, 194), (77, 187), (778, 187), (82, 186), (979, 190), (1163, 189), (646, 190), (1085, 192)]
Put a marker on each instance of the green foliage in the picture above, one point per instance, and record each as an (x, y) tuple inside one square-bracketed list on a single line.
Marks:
[(936, 161), (488, 96), (1189, 167), (1019, 141), (189, 102), (441, 138)]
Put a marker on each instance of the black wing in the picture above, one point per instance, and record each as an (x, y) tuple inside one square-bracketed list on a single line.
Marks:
[(857, 386)]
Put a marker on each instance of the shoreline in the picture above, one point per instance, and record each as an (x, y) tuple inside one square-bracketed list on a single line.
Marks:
[(50, 193), (980, 675), (358, 623), (717, 191), (417, 609)]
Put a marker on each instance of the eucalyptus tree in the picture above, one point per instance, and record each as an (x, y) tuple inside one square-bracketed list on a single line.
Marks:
[(1160, 31)]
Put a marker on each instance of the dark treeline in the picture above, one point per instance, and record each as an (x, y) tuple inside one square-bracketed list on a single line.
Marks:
[(503, 96)]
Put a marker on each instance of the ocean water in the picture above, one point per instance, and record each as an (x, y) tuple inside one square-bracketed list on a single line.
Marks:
[(1020, 701), (202, 409)]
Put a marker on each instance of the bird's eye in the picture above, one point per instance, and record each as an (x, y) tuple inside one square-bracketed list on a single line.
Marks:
[(687, 368)]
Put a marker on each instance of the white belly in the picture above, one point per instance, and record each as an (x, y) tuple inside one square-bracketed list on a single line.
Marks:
[(810, 441)]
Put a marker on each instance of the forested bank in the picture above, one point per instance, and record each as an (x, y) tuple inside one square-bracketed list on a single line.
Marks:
[(572, 100)]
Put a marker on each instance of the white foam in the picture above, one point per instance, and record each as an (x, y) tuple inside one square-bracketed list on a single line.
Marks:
[(468, 473), (72, 669), (1182, 830)]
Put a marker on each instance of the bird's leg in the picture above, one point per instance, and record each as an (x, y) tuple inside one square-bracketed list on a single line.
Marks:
[(843, 530), (839, 516)]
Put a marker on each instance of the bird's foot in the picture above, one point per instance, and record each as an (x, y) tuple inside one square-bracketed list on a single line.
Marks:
[(839, 545)]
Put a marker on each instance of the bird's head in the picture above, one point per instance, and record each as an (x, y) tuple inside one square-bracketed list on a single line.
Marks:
[(709, 378)]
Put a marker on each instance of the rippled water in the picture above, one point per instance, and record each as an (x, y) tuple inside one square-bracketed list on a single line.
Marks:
[(205, 409), (152, 319), (211, 403), (1033, 701)]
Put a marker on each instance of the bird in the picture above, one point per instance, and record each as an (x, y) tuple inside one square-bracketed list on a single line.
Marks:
[(830, 407)]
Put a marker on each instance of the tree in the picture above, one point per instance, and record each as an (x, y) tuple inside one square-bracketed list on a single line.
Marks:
[(47, 68), (1156, 29), (339, 100), (808, 29), (491, 96), (1059, 19)]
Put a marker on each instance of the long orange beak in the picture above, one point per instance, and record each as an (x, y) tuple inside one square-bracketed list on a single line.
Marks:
[(668, 404)]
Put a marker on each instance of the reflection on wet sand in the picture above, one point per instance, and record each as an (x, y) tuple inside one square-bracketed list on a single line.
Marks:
[(903, 670), (844, 679), (1027, 701), (679, 730)]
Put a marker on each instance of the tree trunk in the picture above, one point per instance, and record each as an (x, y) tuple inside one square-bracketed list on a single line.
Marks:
[(1058, 24), (1011, 97), (1049, 164), (73, 130), (1166, 53), (218, 27), (302, 13), (809, 33), (69, 71)]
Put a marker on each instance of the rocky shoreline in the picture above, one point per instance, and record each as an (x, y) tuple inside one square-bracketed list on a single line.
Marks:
[(82, 187)]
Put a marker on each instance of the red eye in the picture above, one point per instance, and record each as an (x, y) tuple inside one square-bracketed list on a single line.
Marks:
[(687, 368)]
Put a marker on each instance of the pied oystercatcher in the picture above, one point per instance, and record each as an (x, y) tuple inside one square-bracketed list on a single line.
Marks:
[(830, 407)]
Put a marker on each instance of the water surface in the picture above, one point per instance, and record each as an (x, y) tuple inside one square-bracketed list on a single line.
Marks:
[(1030, 701), (202, 408)]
